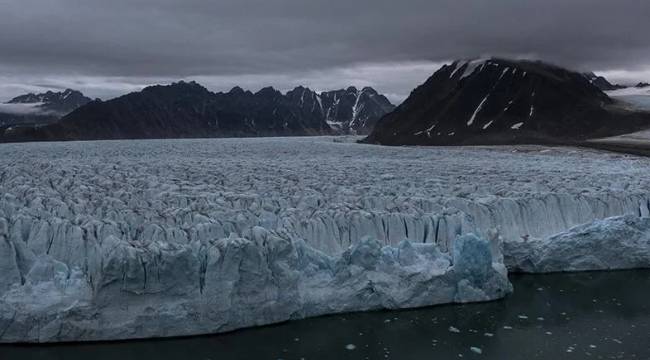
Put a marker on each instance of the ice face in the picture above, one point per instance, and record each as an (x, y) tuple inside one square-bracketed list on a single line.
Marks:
[(614, 243), (126, 239), (231, 283)]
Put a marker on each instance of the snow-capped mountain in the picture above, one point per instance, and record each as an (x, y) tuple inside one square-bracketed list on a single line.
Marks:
[(353, 110), (499, 101), (349, 111), (62, 102), (189, 110), (40, 108)]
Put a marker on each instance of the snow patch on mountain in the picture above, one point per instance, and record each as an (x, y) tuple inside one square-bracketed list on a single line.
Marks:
[(480, 106)]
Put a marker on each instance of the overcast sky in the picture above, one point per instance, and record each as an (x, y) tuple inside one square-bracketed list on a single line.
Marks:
[(110, 47)]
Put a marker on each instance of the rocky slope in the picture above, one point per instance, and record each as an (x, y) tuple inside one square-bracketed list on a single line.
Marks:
[(601, 82), (41, 108), (355, 111), (130, 239), (347, 111), (497, 101), (188, 110)]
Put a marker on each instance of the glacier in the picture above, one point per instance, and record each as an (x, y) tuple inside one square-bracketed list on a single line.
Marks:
[(135, 239)]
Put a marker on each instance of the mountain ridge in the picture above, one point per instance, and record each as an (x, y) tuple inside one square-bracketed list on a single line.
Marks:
[(187, 109), (40, 108)]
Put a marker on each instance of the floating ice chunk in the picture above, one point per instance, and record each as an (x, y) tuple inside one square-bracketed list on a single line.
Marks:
[(517, 126), (476, 350), (350, 347), (454, 329)]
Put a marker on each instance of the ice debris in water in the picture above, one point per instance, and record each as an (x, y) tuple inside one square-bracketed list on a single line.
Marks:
[(454, 329), (476, 350)]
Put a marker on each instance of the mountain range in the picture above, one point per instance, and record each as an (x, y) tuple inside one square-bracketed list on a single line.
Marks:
[(500, 101), (486, 101), (39, 109), (189, 110)]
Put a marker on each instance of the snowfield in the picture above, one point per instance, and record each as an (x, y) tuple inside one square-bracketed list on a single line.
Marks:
[(135, 239)]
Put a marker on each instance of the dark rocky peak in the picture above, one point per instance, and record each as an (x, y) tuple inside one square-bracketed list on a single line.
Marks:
[(299, 90), (269, 92), (52, 104), (369, 90), (352, 89), (301, 94), (601, 82), (500, 101), (642, 85), (236, 91), (50, 97), (179, 90)]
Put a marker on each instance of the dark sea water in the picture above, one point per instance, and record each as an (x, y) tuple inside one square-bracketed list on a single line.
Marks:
[(603, 315)]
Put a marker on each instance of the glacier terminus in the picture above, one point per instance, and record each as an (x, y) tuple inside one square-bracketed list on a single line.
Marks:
[(120, 240)]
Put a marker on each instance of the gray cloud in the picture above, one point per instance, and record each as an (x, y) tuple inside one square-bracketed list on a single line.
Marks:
[(128, 41)]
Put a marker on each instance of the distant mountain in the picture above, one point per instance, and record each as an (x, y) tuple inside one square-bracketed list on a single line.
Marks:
[(187, 110), (44, 108), (498, 101), (57, 102), (602, 83), (642, 85), (355, 111), (348, 111)]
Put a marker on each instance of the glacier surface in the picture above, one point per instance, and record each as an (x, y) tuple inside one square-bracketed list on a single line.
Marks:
[(134, 239)]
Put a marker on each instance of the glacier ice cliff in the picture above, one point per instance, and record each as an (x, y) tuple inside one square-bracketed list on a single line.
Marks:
[(613, 243), (125, 239), (162, 289)]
